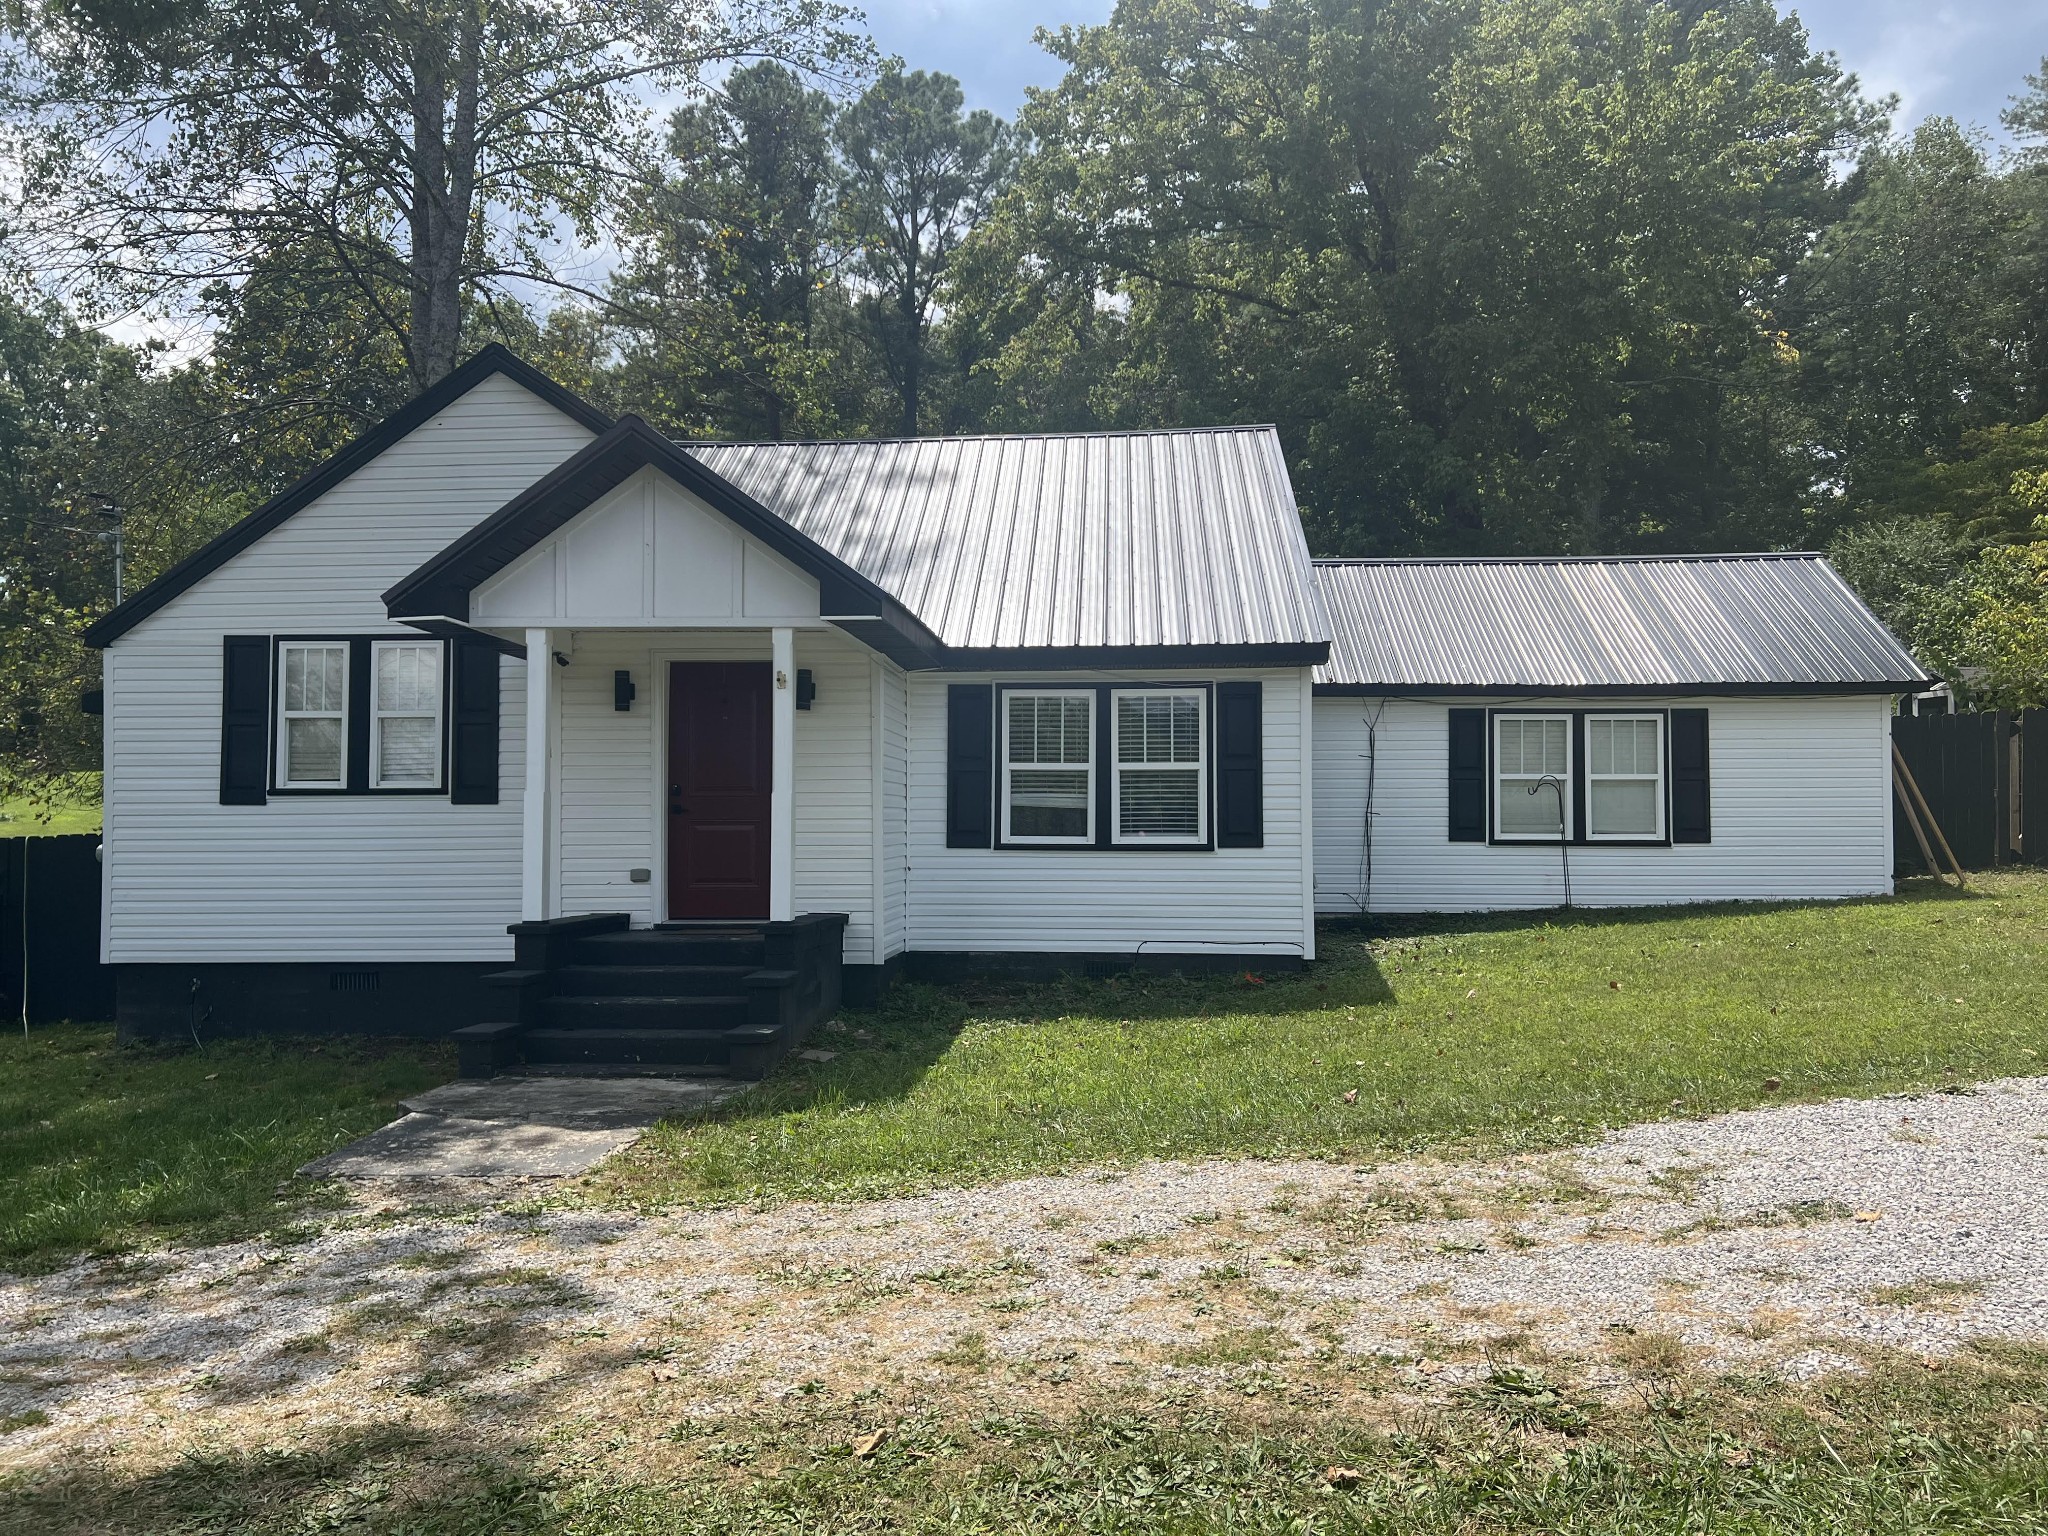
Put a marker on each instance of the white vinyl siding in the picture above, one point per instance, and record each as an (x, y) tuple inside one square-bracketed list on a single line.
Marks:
[(1115, 901), (318, 877), (1801, 810), (1159, 756), (312, 716), (1624, 777)]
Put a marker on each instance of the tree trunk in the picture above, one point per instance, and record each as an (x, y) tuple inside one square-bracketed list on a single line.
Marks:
[(443, 191)]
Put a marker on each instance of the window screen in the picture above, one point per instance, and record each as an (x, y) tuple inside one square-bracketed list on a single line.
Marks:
[(312, 747), (1048, 761), (405, 750), (1161, 740), (1532, 775), (1625, 776)]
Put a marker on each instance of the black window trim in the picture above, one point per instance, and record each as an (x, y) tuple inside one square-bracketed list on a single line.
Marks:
[(355, 749), (1099, 770), (1579, 838)]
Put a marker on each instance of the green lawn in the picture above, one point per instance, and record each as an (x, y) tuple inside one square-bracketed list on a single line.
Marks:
[(28, 816), (1496, 1033), (104, 1145), (1903, 1450)]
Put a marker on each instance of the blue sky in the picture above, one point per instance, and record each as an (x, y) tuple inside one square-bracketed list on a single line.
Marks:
[(1963, 59)]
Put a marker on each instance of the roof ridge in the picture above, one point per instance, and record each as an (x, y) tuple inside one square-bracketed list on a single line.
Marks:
[(1684, 559), (966, 437)]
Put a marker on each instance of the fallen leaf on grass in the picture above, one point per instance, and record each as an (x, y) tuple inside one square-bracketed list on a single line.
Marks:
[(868, 1444), (1614, 986), (1351, 1096), (210, 1077), (1343, 1477), (665, 1373), (1772, 1085)]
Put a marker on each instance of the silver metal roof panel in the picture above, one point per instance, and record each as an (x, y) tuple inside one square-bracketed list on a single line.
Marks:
[(1121, 539), (1784, 622)]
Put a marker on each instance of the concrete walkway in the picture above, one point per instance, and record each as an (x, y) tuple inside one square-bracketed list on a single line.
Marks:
[(519, 1127)]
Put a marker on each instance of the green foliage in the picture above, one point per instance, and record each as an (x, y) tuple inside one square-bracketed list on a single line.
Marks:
[(1499, 270), (919, 175), (1507, 1032)]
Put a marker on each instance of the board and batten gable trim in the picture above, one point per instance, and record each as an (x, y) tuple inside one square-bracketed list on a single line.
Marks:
[(401, 423)]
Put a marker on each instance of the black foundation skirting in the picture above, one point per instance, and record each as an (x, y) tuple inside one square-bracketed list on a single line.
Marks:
[(944, 966), (863, 986), (155, 1002)]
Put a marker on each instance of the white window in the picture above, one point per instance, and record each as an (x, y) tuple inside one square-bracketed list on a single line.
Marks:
[(1532, 776), (1625, 776), (312, 715), (1157, 766), (405, 715), (1049, 767)]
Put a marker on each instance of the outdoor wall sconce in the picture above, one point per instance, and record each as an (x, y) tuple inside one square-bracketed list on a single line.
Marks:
[(806, 688), (623, 691)]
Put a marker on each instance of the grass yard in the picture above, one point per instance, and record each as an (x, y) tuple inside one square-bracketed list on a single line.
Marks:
[(1499, 1033), (103, 1146), (1905, 1448), (25, 817)]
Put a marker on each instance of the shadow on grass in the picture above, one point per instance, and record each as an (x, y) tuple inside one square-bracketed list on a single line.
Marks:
[(882, 1054), (373, 1478)]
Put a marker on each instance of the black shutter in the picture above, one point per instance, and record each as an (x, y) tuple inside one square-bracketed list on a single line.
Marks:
[(1240, 765), (1468, 776), (970, 765), (473, 724), (244, 719), (1692, 818)]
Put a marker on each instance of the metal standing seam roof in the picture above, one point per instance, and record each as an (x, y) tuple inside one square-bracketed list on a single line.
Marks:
[(1122, 539), (1784, 621)]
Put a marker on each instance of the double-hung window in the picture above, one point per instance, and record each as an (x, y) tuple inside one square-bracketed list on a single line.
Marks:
[(405, 715), (1158, 766), (1625, 777), (1532, 777), (312, 713), (1048, 766)]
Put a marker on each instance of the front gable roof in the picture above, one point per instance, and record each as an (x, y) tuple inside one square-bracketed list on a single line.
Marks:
[(439, 592), (415, 413)]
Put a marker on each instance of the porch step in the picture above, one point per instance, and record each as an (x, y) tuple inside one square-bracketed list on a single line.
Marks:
[(672, 946), (615, 1012), (700, 1050), (650, 980)]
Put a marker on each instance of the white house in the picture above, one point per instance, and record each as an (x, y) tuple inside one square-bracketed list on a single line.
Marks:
[(607, 749)]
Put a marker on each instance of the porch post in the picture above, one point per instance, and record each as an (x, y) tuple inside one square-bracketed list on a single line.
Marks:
[(540, 692), (781, 802)]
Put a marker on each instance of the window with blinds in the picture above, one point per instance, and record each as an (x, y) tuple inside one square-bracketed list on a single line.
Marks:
[(1532, 774), (1048, 766), (1158, 766), (312, 715), (405, 715), (1625, 776)]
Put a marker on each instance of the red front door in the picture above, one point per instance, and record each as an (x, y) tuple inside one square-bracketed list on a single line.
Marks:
[(720, 755)]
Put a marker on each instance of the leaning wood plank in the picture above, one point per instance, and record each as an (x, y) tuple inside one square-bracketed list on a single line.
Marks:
[(1926, 811), (1913, 821)]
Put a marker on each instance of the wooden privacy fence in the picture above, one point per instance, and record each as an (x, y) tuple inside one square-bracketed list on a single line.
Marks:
[(1985, 778), (50, 930)]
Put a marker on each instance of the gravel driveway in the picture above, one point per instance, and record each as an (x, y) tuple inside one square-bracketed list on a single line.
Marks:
[(1785, 1239)]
